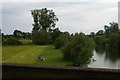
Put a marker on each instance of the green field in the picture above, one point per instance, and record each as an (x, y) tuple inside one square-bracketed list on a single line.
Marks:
[(29, 55)]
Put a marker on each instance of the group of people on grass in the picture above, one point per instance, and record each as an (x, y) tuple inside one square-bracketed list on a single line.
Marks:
[(40, 57)]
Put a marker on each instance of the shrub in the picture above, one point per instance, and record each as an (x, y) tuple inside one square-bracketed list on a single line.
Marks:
[(101, 41), (79, 49), (41, 37), (61, 40), (11, 41), (55, 34)]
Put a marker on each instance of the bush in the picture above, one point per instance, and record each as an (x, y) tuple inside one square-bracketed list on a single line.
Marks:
[(11, 41), (79, 49), (41, 37), (101, 41), (55, 34), (61, 40)]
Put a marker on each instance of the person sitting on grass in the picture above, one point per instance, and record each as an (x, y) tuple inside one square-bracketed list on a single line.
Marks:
[(40, 57)]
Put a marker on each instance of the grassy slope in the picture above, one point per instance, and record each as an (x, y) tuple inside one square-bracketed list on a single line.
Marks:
[(29, 55)]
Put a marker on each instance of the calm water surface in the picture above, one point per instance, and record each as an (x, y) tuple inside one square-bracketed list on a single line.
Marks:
[(106, 59)]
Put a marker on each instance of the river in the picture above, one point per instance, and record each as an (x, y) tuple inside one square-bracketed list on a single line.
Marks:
[(106, 59)]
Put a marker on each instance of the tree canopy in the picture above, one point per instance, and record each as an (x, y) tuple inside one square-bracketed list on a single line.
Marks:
[(113, 28), (79, 49), (44, 19)]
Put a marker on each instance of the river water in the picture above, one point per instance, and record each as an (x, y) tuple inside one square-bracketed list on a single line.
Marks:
[(106, 59)]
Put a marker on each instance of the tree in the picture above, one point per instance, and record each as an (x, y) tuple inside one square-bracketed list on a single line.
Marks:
[(29, 35), (43, 19), (55, 34), (100, 32), (113, 28), (24, 35), (79, 49), (100, 41), (41, 37), (1, 34), (17, 34), (12, 41), (62, 40), (92, 34)]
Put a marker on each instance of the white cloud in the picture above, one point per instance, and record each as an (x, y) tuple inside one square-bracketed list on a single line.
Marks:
[(87, 18), (73, 17)]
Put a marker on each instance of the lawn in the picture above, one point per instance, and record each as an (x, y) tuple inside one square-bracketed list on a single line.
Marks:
[(29, 55)]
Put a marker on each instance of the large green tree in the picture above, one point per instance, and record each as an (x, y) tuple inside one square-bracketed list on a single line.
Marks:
[(41, 37), (79, 49), (43, 19)]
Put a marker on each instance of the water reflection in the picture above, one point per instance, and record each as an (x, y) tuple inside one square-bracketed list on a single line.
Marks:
[(100, 50), (111, 54), (105, 58)]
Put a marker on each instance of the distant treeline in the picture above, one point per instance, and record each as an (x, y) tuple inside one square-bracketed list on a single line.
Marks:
[(14, 39), (19, 35), (109, 37)]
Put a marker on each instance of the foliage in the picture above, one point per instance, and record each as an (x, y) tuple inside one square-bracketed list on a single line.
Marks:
[(0, 37), (22, 35), (62, 40), (55, 34), (17, 34), (26, 35), (92, 35), (41, 37), (44, 19), (101, 40), (100, 32), (11, 41), (7, 36), (79, 49), (113, 28)]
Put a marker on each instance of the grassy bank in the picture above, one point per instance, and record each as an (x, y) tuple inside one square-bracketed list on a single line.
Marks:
[(29, 55)]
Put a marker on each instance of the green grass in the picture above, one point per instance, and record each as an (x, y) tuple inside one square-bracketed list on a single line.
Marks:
[(29, 55), (25, 41)]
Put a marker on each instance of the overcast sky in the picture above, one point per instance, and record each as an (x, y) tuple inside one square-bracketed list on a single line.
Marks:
[(73, 16)]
